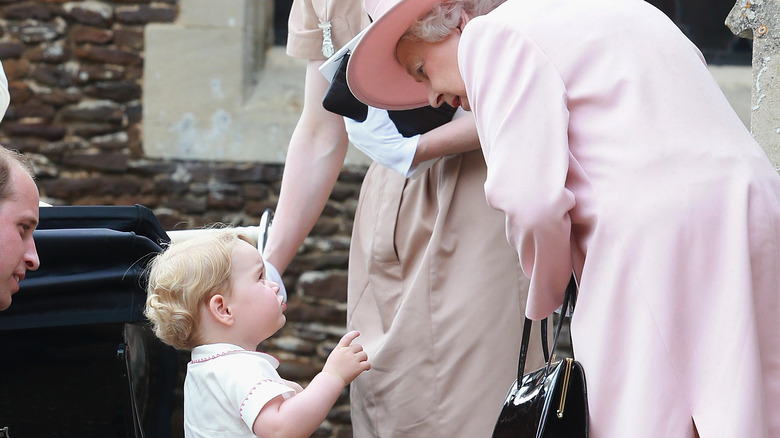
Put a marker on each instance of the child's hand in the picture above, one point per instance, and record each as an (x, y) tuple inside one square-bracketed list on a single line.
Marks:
[(347, 360)]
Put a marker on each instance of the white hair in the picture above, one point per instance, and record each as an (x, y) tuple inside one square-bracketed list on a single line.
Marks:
[(443, 17)]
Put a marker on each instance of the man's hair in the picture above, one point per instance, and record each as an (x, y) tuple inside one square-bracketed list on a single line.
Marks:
[(8, 159), (184, 276)]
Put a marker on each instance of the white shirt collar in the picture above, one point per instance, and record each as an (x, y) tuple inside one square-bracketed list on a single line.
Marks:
[(203, 353)]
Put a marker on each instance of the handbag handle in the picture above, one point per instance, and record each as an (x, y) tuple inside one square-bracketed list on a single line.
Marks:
[(569, 299)]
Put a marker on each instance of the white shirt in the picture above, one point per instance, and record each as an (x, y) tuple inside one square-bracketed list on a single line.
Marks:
[(225, 389)]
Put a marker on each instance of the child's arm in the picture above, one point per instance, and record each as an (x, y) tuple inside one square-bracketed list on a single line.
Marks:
[(301, 414)]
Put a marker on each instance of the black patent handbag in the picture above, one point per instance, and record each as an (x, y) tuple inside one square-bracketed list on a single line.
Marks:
[(338, 99), (551, 402)]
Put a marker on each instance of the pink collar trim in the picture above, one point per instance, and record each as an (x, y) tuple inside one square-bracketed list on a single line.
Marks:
[(207, 352)]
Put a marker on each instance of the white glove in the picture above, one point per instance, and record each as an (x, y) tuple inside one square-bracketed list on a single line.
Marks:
[(272, 274), (5, 97), (379, 138)]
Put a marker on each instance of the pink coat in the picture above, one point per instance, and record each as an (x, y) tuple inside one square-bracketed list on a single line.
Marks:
[(613, 152)]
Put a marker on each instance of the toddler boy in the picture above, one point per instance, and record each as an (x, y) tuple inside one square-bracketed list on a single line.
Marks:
[(210, 295)]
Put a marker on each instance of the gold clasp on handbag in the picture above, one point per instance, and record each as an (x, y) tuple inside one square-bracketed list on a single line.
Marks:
[(565, 388)]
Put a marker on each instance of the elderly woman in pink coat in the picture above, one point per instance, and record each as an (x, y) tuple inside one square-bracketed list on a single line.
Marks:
[(613, 153)]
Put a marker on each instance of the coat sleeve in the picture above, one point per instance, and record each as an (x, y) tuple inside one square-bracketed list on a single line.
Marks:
[(519, 102)]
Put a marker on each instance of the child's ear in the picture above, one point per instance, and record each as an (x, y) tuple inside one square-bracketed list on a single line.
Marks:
[(219, 309)]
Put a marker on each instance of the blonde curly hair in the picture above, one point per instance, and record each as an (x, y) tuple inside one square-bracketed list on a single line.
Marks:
[(184, 276)]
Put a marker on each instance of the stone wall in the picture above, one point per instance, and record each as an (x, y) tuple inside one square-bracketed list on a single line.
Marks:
[(75, 71)]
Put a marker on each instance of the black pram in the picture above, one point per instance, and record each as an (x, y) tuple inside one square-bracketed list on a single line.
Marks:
[(76, 356)]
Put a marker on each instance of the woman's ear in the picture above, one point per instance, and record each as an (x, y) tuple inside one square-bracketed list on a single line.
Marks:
[(219, 309), (464, 19)]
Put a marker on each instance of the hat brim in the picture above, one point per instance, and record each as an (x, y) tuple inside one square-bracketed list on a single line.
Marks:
[(374, 75)]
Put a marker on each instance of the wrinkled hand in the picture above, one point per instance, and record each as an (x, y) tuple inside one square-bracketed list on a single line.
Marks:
[(272, 274), (379, 138), (347, 360)]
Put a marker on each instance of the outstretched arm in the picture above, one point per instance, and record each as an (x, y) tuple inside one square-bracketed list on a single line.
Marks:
[(301, 414), (380, 139), (455, 137), (314, 159)]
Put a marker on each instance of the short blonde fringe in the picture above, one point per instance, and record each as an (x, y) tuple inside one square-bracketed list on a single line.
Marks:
[(184, 276)]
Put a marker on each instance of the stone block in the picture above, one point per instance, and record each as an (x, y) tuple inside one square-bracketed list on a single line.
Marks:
[(103, 161), (89, 34), (27, 11), (129, 39), (87, 130), (115, 91), (53, 96), (90, 12), (202, 13), (42, 130), (143, 14), (324, 285), (11, 49), (31, 109), (190, 105), (226, 97), (242, 174), (94, 111), (111, 142), (51, 75), (52, 53), (97, 72), (33, 32), (107, 55)]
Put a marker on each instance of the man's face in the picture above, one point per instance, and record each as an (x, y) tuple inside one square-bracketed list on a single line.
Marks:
[(18, 219)]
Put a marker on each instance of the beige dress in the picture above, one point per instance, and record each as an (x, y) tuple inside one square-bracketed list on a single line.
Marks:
[(434, 288), (437, 294), (305, 36)]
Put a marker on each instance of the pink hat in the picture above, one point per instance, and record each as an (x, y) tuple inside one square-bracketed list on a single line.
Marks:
[(374, 75)]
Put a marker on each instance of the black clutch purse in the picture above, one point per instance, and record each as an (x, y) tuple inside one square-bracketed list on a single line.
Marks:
[(421, 120), (551, 402), (338, 99)]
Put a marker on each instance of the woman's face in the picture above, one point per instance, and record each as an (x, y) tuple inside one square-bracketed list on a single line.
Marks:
[(436, 66)]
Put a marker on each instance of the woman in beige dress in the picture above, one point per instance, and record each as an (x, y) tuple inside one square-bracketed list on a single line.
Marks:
[(434, 287)]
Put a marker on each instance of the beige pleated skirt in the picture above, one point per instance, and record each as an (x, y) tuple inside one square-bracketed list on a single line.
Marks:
[(438, 296)]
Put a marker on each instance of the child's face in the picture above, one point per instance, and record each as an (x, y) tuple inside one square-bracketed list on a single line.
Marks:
[(258, 309)]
